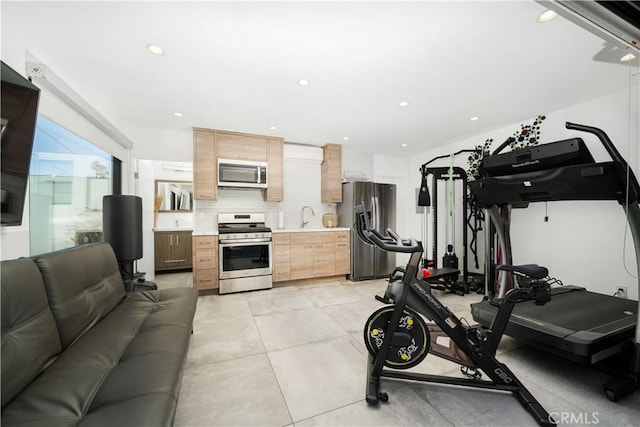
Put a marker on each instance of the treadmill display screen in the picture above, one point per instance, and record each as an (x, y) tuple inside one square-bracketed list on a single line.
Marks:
[(546, 156)]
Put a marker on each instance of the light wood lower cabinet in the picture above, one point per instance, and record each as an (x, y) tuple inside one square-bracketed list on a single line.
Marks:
[(205, 262), (305, 255), (281, 257), (302, 261), (343, 257), (324, 259)]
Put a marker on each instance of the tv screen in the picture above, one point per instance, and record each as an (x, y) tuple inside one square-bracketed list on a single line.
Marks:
[(19, 113)]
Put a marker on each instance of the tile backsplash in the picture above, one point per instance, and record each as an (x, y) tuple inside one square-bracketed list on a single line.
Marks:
[(301, 188)]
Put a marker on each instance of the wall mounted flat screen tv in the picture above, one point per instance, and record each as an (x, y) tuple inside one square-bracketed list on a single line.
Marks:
[(19, 112)]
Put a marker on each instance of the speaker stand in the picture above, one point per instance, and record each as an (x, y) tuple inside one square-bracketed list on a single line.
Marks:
[(134, 281)]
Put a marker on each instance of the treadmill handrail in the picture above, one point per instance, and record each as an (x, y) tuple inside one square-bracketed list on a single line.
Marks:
[(613, 152), (602, 136)]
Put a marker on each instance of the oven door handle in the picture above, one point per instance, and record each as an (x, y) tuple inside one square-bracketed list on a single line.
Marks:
[(244, 242)]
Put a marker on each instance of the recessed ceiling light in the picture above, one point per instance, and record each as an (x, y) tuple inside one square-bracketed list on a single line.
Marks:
[(546, 16), (304, 82), (178, 114), (403, 145), (403, 104), (273, 127), (346, 138), (628, 57), (474, 118), (156, 50)]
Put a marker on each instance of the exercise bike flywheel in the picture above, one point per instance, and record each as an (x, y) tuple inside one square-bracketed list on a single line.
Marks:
[(411, 341)]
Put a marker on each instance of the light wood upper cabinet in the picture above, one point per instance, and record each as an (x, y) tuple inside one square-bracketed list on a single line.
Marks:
[(209, 145), (331, 170), (205, 182), (275, 175), (241, 146)]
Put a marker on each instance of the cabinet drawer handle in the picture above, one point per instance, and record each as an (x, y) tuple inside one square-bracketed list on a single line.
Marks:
[(205, 280), (175, 260)]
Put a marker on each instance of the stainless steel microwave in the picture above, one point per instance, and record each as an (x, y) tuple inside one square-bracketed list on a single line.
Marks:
[(242, 173)]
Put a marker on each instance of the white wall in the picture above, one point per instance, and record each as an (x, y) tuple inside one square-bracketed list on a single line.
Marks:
[(583, 243), (162, 144)]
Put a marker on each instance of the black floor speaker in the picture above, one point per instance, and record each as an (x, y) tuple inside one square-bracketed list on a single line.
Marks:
[(122, 225)]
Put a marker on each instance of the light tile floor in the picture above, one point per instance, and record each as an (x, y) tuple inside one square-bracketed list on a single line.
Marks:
[(295, 356)]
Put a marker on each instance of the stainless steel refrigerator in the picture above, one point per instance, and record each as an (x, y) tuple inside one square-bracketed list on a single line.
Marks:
[(368, 261)]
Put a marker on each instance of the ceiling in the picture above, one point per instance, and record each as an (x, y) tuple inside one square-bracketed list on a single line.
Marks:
[(235, 66)]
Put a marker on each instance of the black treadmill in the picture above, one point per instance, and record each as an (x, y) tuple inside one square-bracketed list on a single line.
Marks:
[(576, 324)]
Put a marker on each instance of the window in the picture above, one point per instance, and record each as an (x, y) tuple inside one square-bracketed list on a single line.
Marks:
[(68, 178)]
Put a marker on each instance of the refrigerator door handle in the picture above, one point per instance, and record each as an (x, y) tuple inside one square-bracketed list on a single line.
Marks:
[(376, 209), (374, 214)]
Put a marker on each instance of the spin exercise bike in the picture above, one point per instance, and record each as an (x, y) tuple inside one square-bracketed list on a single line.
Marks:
[(397, 337)]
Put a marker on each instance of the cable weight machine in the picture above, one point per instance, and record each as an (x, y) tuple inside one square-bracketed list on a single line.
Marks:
[(447, 277)]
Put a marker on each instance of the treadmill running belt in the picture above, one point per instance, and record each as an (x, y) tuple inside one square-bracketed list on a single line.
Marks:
[(583, 311), (574, 325)]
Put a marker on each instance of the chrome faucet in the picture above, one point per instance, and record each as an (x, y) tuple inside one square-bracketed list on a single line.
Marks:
[(302, 221), (177, 224)]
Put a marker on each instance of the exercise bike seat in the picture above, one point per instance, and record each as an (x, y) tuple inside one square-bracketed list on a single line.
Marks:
[(530, 270)]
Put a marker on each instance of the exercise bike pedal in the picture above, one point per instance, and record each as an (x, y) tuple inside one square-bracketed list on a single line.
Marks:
[(385, 299)]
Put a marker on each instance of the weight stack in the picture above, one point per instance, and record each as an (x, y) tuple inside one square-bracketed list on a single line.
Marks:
[(122, 225)]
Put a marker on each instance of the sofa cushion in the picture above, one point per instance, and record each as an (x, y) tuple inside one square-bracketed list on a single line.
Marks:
[(29, 335), (126, 370), (83, 285)]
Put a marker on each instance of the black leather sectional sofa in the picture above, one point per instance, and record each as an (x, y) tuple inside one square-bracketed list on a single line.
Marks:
[(79, 351)]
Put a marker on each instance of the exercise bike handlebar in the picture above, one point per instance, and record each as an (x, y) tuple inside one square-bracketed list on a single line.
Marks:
[(392, 242)]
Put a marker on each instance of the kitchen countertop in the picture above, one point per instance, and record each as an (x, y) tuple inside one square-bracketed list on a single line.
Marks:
[(273, 230), (307, 230), (172, 229), (205, 233)]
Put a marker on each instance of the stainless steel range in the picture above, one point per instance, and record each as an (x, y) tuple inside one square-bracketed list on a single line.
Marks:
[(245, 253)]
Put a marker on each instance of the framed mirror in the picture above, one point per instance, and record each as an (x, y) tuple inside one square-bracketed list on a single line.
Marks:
[(174, 196)]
